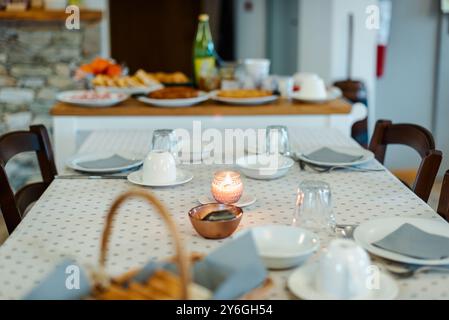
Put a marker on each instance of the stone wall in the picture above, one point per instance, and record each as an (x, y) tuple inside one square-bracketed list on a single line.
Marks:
[(36, 62)]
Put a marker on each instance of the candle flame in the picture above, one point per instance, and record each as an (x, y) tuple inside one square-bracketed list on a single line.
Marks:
[(227, 180)]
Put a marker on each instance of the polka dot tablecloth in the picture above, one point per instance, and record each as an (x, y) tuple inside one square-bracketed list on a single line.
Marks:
[(67, 221)]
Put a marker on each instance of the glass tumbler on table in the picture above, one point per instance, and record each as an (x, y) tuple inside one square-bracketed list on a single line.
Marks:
[(313, 209), (165, 140), (277, 140)]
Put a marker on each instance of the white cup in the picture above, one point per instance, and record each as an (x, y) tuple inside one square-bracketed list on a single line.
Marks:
[(257, 70), (285, 86), (344, 271), (312, 87), (301, 76), (159, 167)]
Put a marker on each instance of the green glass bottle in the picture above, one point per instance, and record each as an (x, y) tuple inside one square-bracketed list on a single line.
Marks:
[(204, 61)]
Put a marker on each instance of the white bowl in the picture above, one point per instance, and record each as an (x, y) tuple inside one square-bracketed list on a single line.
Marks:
[(264, 167), (284, 247)]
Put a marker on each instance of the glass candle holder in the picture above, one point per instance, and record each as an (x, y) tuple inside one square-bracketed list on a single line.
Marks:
[(227, 187)]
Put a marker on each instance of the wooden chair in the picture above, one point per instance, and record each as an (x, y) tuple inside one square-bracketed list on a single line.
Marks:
[(443, 204), (13, 205), (416, 137)]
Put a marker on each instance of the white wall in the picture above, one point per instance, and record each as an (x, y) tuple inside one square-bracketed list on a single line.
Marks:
[(406, 92), (282, 36), (314, 43), (102, 5), (250, 30), (323, 39), (441, 129)]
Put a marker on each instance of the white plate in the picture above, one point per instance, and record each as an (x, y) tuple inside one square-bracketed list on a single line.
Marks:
[(302, 284), (332, 93), (374, 230), (264, 167), (130, 90), (244, 101), (245, 200), (70, 97), (182, 177), (73, 162), (176, 103), (367, 156), (283, 247)]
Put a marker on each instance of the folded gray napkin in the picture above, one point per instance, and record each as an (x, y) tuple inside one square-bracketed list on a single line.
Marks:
[(219, 271), (229, 272), (66, 282), (114, 161), (411, 241), (326, 154)]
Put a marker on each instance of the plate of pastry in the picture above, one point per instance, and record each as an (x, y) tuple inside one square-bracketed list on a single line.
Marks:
[(244, 96), (175, 97), (171, 78), (139, 83)]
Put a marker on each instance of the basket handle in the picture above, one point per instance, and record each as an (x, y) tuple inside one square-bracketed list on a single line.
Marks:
[(180, 259)]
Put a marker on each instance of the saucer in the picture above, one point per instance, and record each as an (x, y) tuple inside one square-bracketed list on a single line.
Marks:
[(332, 93), (252, 167), (302, 284), (182, 177), (244, 201)]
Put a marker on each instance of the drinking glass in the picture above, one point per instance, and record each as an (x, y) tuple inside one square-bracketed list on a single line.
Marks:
[(314, 206), (277, 140), (257, 70), (165, 140)]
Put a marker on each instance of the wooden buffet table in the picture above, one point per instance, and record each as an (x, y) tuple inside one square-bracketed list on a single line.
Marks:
[(69, 120), (133, 107)]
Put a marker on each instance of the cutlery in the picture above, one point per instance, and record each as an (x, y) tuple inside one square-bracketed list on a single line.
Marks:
[(74, 176), (407, 271), (303, 164)]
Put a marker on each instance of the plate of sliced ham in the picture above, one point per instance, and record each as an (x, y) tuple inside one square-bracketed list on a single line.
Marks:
[(91, 98)]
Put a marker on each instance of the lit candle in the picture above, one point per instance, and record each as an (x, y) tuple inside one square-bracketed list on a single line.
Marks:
[(227, 187)]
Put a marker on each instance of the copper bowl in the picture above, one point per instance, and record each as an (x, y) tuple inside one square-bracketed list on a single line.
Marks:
[(214, 229)]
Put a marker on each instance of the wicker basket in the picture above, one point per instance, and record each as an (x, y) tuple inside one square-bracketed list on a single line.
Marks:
[(183, 261)]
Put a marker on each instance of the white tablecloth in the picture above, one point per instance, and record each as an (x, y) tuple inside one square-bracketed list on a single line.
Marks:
[(68, 220)]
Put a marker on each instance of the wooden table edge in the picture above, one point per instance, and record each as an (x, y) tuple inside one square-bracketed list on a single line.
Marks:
[(133, 107)]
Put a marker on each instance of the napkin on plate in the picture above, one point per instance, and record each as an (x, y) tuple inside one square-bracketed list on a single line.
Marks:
[(411, 241), (326, 154), (114, 161)]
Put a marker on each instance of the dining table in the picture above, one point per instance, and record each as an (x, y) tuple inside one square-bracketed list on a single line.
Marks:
[(68, 220)]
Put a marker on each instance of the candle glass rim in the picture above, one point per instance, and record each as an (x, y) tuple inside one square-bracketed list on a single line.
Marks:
[(221, 175)]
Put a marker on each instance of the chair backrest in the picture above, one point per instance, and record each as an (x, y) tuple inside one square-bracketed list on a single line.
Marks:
[(416, 137), (36, 140), (443, 204)]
